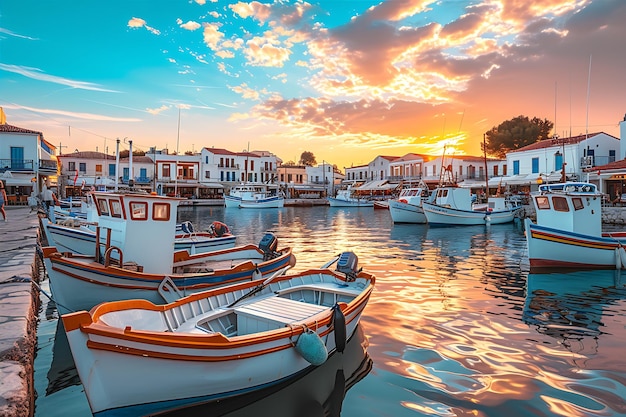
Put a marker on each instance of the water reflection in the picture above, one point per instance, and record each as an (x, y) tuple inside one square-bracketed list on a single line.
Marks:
[(570, 306)]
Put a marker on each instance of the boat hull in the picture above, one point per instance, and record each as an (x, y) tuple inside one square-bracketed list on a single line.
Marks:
[(339, 202), (80, 284), (550, 248), (446, 216), (406, 213), (270, 202)]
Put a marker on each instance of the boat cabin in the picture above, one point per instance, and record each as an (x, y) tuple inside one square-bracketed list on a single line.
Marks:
[(574, 207), (142, 226)]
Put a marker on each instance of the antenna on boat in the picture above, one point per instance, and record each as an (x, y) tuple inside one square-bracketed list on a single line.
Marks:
[(486, 174), (587, 117), (177, 144)]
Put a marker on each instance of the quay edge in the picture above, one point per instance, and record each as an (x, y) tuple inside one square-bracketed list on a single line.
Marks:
[(19, 306)]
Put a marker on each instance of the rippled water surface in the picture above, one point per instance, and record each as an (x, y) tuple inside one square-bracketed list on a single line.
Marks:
[(456, 326)]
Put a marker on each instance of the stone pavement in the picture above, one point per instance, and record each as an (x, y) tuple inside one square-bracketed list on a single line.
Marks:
[(19, 302)]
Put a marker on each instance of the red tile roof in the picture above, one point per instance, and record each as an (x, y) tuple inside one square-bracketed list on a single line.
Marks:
[(549, 143), (15, 129)]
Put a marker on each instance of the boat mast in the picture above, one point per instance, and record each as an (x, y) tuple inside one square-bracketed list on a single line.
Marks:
[(486, 175)]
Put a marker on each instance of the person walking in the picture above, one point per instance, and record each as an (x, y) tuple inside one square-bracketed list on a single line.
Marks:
[(3, 201)]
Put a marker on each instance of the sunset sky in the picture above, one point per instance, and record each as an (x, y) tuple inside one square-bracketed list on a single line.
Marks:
[(345, 79)]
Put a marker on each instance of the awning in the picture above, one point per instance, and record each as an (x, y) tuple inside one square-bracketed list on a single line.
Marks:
[(379, 185), (17, 179)]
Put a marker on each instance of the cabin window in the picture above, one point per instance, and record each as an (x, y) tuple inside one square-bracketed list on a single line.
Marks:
[(577, 202), (116, 208), (560, 204), (161, 211), (103, 207), (543, 203), (138, 211)]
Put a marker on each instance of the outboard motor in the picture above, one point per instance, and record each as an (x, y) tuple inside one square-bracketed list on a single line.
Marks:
[(269, 244), (348, 264)]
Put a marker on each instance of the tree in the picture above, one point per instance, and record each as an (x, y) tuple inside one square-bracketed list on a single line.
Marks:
[(516, 133), (307, 158)]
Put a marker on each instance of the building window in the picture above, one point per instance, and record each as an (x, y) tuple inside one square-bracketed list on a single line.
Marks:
[(535, 165), (207, 174), (98, 168), (112, 170), (515, 167), (71, 166), (166, 171), (82, 167)]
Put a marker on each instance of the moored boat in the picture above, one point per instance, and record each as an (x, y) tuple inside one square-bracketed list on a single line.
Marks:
[(407, 208), (346, 198), (215, 344), (138, 259), (568, 231), (453, 206), (254, 196)]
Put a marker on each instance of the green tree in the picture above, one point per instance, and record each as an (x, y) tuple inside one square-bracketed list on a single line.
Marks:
[(307, 158), (516, 133)]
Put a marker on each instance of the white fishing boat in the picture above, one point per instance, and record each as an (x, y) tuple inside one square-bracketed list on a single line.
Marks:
[(137, 358), (407, 208), (453, 206), (75, 235), (138, 259), (346, 198), (254, 196), (568, 231)]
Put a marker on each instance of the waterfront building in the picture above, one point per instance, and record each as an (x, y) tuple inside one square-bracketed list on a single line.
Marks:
[(27, 162)]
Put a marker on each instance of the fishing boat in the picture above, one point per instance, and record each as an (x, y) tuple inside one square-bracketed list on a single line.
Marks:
[(75, 235), (254, 196), (454, 206), (137, 358), (568, 231), (407, 208), (346, 198), (138, 259)]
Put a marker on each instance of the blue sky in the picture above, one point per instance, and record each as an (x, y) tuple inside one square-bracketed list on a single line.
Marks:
[(346, 80)]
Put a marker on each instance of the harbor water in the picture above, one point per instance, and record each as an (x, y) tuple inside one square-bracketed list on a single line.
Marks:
[(456, 326)]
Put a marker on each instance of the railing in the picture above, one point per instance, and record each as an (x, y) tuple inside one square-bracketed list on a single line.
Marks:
[(17, 165), (48, 165)]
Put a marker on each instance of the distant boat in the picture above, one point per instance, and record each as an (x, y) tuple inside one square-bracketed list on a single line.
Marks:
[(453, 206), (407, 208), (137, 358), (568, 231), (346, 198), (254, 196)]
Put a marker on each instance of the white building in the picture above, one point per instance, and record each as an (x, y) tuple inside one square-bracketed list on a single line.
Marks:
[(27, 162), (547, 158)]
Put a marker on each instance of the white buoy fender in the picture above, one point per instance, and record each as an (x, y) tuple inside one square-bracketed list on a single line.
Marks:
[(311, 347), (339, 326)]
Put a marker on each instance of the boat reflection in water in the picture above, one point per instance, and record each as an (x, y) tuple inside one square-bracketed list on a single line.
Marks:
[(318, 392), (569, 306)]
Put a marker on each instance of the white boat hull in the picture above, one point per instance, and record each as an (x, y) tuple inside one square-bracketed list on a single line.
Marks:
[(406, 213), (270, 202), (339, 202), (82, 284), (550, 248), (445, 216)]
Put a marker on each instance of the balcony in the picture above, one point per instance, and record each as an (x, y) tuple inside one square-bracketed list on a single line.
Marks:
[(48, 166), (17, 165)]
